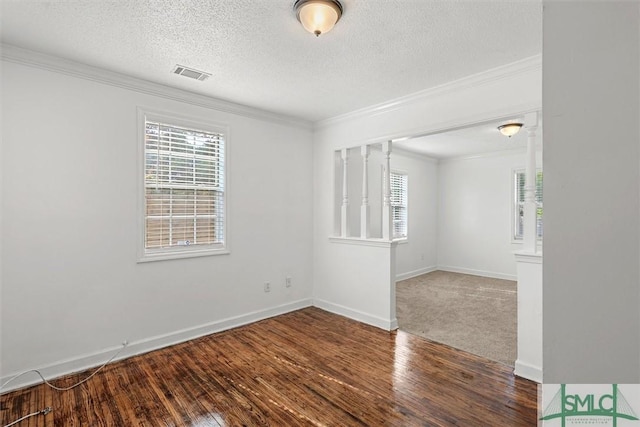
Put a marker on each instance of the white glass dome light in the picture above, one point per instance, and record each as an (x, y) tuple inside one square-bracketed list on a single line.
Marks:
[(510, 129), (318, 16)]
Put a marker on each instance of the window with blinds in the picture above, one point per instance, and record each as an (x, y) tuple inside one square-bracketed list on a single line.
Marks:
[(184, 189), (399, 211), (519, 184)]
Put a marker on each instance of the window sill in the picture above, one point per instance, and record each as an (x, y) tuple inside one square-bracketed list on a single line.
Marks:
[(363, 242), (402, 240), (520, 242), (164, 256)]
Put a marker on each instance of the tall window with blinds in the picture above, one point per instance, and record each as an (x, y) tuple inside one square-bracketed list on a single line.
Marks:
[(399, 208), (519, 178), (184, 189)]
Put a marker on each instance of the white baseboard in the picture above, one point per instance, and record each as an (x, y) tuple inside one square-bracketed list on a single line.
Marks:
[(473, 272), (87, 361), (530, 372), (379, 322), (393, 324), (415, 273)]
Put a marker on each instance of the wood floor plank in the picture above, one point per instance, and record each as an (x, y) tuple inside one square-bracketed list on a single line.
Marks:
[(306, 368)]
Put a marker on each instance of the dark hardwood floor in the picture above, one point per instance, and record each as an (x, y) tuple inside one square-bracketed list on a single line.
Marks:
[(306, 368)]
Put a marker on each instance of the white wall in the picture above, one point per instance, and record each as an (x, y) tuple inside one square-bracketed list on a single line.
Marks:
[(475, 209), (418, 254), (364, 278), (1, 216), (591, 276), (71, 288)]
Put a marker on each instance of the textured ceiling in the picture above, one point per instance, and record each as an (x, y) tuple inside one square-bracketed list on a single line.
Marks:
[(259, 55)]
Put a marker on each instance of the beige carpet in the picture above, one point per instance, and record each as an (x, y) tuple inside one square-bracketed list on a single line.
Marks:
[(472, 313)]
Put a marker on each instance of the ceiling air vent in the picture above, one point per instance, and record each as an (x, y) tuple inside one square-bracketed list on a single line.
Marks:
[(190, 72)]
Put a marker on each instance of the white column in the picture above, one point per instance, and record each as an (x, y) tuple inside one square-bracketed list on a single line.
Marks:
[(529, 270), (364, 209), (344, 218), (529, 227), (387, 230)]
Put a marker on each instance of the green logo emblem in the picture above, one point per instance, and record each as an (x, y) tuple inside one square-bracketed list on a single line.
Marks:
[(613, 406)]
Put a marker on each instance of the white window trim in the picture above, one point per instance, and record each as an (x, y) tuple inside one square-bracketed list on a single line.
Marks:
[(512, 202), (403, 239), (143, 255)]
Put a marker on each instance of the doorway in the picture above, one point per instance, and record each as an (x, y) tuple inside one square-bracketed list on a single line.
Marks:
[(456, 271)]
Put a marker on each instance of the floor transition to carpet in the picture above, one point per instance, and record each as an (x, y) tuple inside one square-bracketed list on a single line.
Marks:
[(472, 313)]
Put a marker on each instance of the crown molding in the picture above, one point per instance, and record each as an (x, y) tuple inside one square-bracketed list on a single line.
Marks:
[(487, 154), (526, 65), (412, 154), (56, 64)]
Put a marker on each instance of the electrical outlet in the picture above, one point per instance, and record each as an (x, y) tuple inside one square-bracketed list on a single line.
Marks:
[(287, 282), (267, 287)]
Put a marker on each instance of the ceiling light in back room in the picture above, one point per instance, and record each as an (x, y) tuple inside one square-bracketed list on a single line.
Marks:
[(510, 129)]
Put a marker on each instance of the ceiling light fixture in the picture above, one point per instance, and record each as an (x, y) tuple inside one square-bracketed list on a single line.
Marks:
[(318, 16), (510, 129)]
